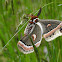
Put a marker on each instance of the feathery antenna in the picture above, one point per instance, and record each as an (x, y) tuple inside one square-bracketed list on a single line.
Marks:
[(39, 12)]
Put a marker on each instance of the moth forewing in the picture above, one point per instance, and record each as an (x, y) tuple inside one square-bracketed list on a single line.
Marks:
[(51, 29)]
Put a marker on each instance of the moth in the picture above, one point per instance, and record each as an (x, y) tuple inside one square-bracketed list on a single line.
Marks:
[(36, 28)]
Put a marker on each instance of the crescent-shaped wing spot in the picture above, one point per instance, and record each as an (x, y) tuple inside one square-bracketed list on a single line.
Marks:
[(34, 37)]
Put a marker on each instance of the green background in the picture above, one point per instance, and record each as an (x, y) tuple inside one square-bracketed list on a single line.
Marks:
[(12, 12)]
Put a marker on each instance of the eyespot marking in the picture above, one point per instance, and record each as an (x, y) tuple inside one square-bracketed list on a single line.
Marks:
[(34, 37), (48, 25)]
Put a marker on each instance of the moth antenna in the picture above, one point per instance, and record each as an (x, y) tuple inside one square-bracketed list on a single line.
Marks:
[(39, 12)]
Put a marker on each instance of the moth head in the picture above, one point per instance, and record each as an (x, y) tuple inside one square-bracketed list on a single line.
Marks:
[(30, 26)]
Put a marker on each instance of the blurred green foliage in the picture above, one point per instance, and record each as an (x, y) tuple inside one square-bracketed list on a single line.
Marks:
[(11, 12)]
